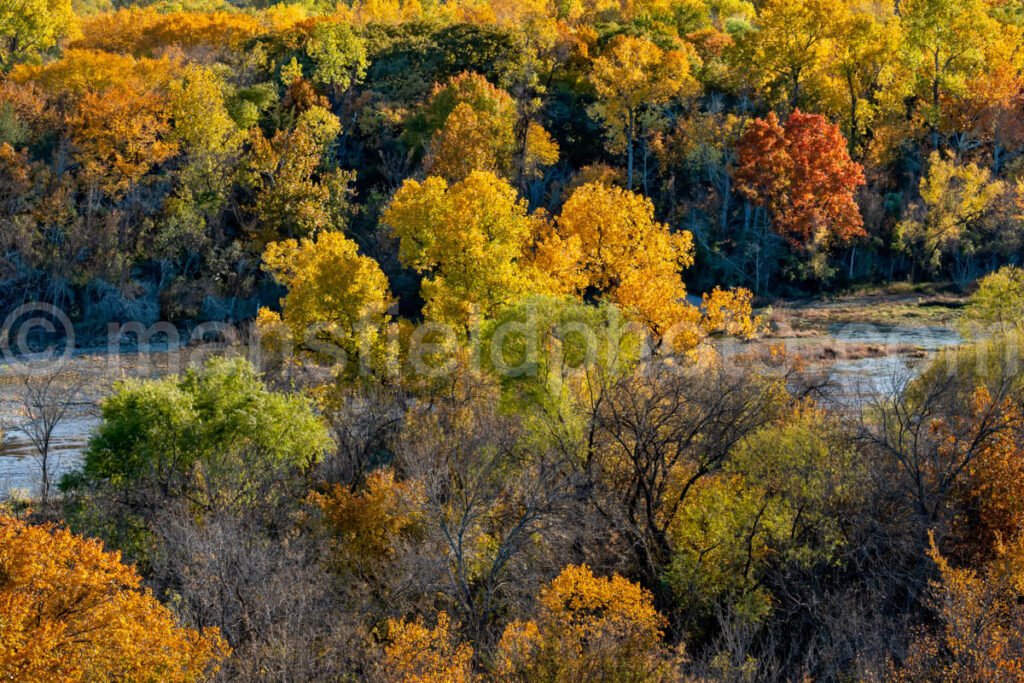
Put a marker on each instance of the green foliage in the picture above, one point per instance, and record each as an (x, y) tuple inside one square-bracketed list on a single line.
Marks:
[(338, 55), (998, 303), (776, 502), (215, 435)]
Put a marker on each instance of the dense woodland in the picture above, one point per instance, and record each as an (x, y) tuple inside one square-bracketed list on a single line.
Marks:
[(489, 436)]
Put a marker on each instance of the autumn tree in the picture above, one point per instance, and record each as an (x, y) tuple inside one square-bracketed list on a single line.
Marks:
[(368, 525), (761, 512), (789, 47), (606, 240), (32, 28), (989, 501), (944, 45), (977, 636), (118, 119), (632, 77), (467, 125), (338, 299), (72, 612), (956, 217), (801, 172), (931, 436), (201, 36), (211, 143), (416, 653), (297, 192), (588, 627), (861, 57), (469, 241)]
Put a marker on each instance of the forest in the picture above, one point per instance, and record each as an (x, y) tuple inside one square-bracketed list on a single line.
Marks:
[(485, 305)]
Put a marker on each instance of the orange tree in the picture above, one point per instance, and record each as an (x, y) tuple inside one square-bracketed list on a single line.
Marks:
[(588, 628), (69, 612), (802, 173)]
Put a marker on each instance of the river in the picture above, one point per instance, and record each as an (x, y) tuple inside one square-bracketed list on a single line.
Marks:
[(889, 355)]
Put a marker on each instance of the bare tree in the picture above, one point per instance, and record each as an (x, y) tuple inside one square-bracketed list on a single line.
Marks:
[(660, 431), (499, 507), (44, 399)]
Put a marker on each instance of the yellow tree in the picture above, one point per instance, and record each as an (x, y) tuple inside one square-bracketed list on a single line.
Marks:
[(211, 142), (118, 119), (202, 124), (956, 214), (789, 47), (467, 125), (72, 613), (418, 654), (633, 76), (588, 628), (468, 240), (606, 240), (861, 57), (944, 45), (335, 296), (31, 27), (295, 193)]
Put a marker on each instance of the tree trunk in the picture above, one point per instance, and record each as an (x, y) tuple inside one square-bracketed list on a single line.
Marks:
[(629, 152)]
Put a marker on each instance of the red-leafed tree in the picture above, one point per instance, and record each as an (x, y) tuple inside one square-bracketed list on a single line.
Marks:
[(801, 172)]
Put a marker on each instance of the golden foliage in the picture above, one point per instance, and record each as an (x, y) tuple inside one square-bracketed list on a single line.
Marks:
[(468, 240), (119, 114), (145, 31), (979, 637), (473, 124), (418, 654), (619, 249), (334, 293), (70, 612), (295, 195), (588, 628), (366, 525)]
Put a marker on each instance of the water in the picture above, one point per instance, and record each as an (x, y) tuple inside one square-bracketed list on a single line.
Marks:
[(19, 468), (856, 380), (862, 378)]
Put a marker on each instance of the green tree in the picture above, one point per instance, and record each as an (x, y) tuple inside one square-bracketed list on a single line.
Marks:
[(338, 55), (998, 302), (214, 435)]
